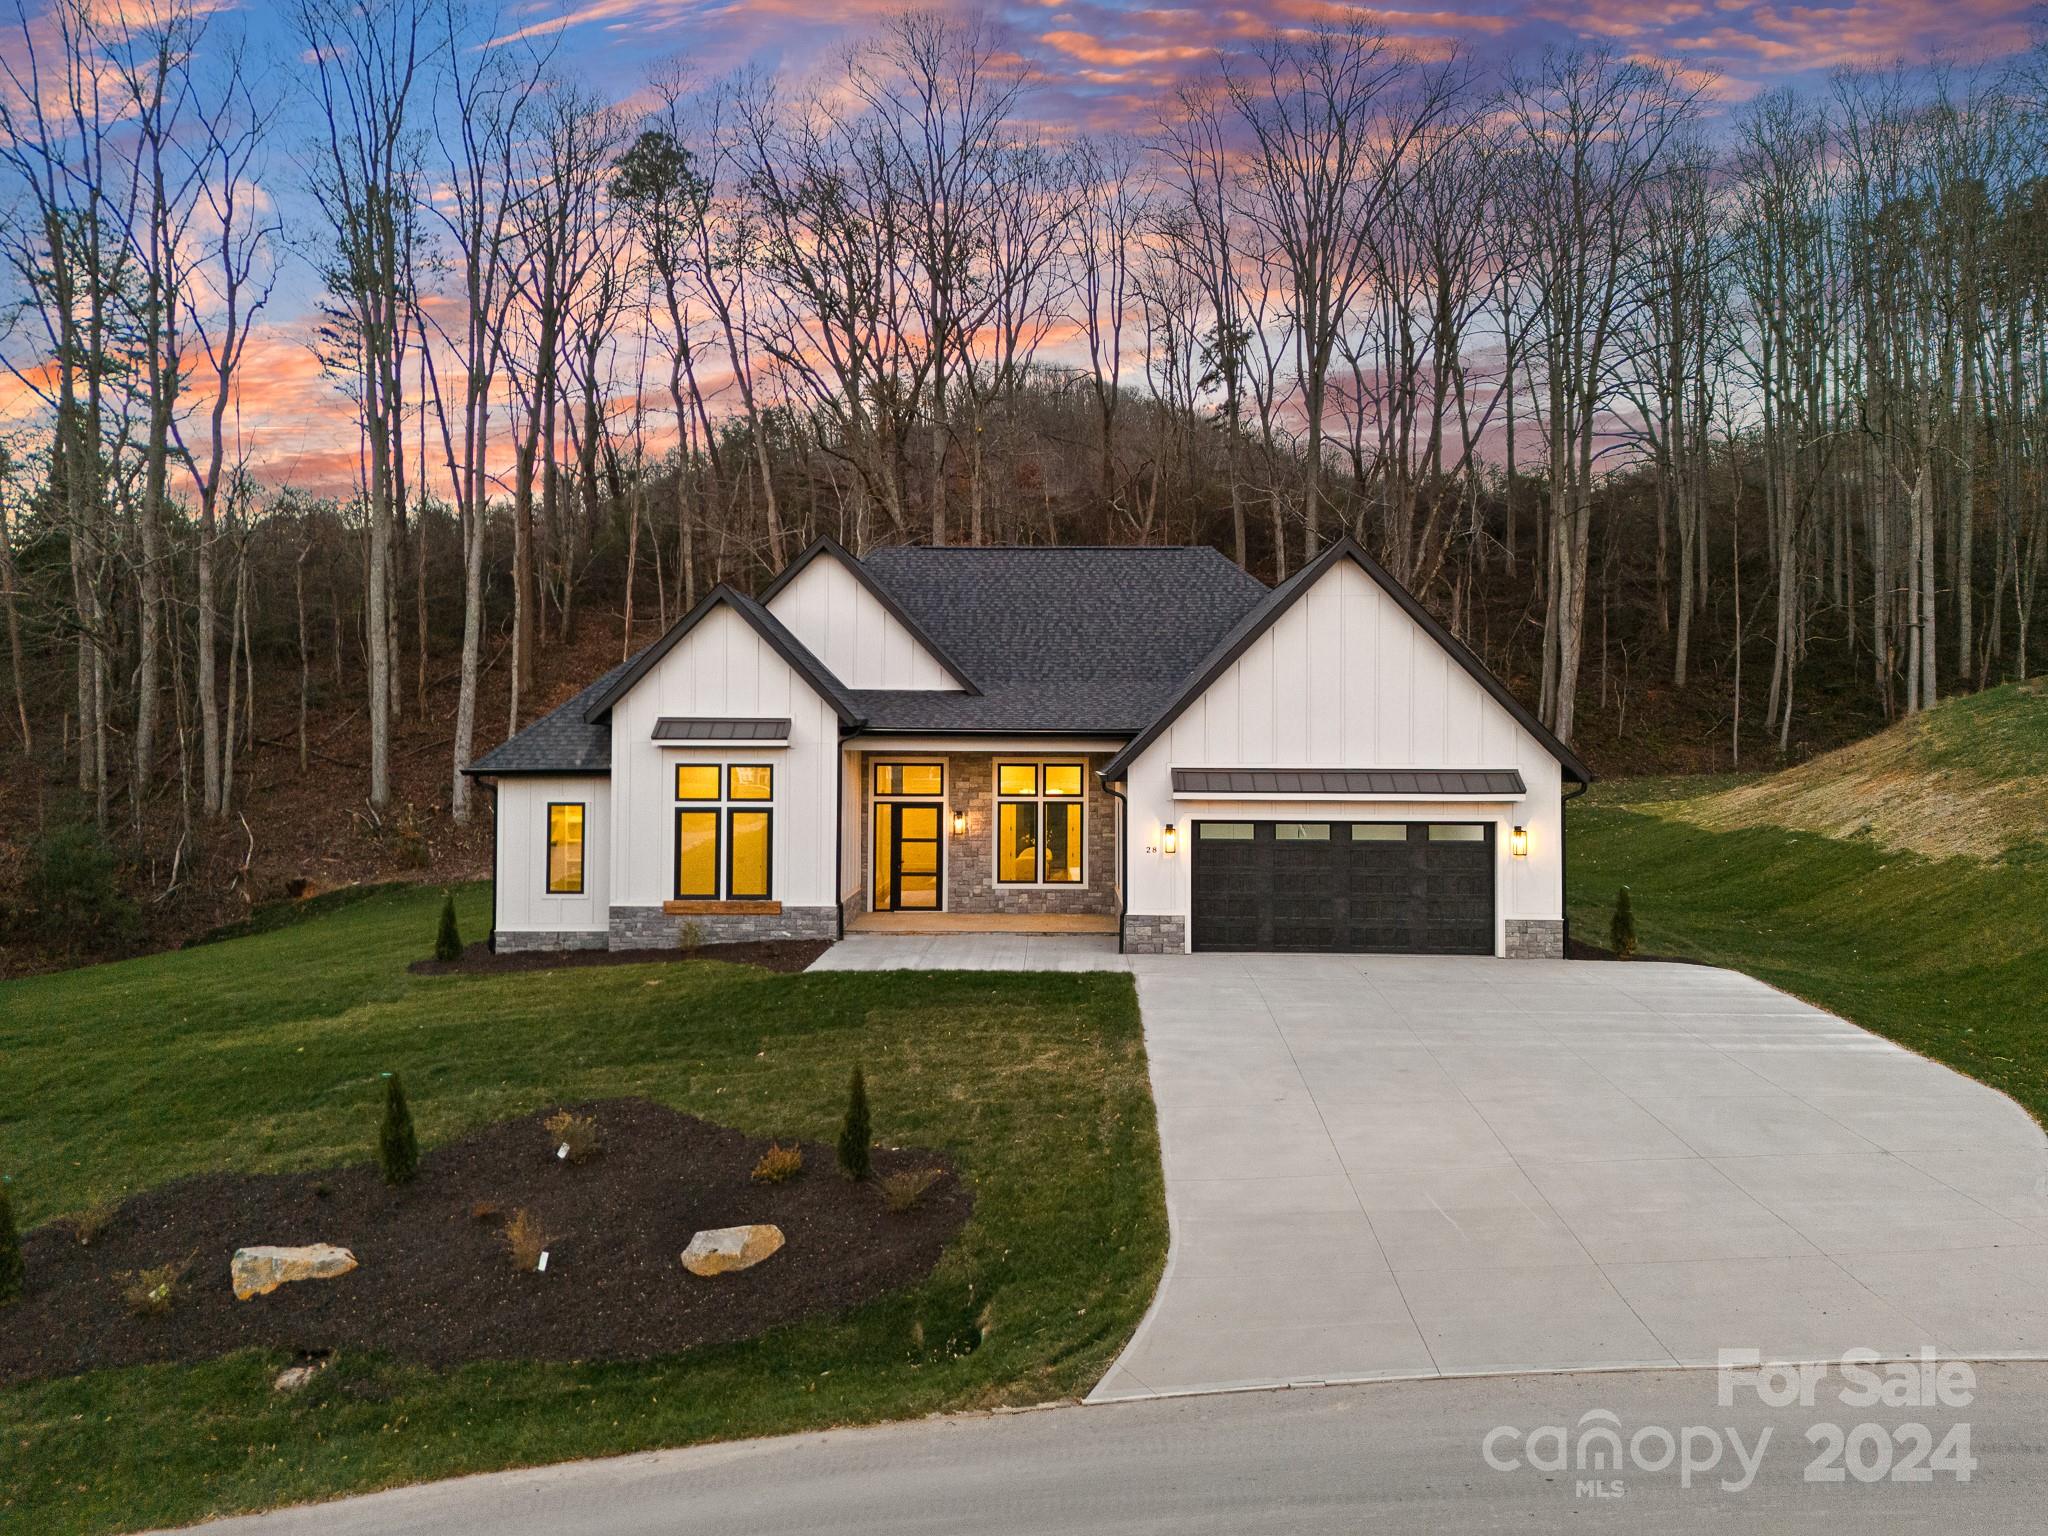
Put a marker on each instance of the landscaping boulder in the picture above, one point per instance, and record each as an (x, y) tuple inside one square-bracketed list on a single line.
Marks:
[(259, 1271), (721, 1250), (297, 1377)]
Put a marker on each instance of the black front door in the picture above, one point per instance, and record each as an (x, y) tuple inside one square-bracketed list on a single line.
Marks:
[(1355, 887), (910, 873)]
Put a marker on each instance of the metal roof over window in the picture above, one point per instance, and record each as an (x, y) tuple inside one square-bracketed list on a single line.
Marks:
[(676, 728), (1353, 783)]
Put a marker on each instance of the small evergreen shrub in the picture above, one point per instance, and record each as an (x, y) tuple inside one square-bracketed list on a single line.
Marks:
[(779, 1164), (692, 939), (574, 1138), (398, 1147), (11, 1272), (1621, 933), (902, 1190), (856, 1134), (448, 942)]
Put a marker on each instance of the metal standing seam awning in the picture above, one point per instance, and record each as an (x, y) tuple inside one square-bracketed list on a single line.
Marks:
[(674, 730), (1349, 783)]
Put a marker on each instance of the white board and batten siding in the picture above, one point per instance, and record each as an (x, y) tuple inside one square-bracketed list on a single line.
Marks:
[(524, 903), (847, 627), (723, 669), (1346, 679)]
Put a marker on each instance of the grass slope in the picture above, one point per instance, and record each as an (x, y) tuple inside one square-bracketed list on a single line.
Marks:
[(1969, 779), (263, 1053), (1948, 956)]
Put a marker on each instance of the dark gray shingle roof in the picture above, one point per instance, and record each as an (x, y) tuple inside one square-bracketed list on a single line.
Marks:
[(560, 741), (1057, 639)]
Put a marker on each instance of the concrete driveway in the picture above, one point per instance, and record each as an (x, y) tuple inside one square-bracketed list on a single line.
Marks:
[(1383, 1167)]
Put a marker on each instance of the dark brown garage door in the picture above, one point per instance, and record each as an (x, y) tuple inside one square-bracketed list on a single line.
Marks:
[(1421, 888)]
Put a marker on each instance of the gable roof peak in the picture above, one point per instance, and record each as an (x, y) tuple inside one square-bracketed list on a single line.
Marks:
[(825, 545), (1284, 596), (765, 624)]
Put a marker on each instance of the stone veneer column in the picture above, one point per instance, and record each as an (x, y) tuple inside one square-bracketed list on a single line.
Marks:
[(1149, 933), (1535, 938)]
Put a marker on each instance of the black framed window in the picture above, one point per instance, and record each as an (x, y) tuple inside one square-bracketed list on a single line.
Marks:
[(1041, 820), (697, 781), (697, 853), (749, 854), (565, 847), (725, 831), (925, 781)]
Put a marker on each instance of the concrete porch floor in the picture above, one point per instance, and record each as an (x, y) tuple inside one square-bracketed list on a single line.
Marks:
[(955, 951), (981, 922)]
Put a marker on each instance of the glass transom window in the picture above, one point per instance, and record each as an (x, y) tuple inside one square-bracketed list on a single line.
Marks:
[(919, 779), (1040, 824)]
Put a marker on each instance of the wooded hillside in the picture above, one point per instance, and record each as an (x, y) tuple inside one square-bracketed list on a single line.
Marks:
[(1717, 433)]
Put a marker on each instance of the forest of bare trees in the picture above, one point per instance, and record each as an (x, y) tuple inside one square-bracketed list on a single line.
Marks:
[(1598, 364)]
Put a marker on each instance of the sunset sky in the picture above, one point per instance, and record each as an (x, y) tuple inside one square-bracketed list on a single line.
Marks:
[(1100, 65)]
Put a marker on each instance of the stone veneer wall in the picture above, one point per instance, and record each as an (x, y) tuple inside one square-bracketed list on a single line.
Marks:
[(970, 858), (652, 928), (536, 940), (1148, 933), (1535, 938)]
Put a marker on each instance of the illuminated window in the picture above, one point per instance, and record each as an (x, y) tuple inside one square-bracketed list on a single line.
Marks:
[(750, 781), (565, 849), (697, 855), (747, 856), (696, 781), (1017, 842), (1224, 831), (724, 841), (1379, 832), (927, 779), (1040, 823)]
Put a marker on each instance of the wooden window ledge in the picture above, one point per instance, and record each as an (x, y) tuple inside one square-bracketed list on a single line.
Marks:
[(722, 908)]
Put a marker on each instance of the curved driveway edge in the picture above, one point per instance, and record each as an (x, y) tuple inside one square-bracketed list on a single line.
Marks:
[(1387, 1167)]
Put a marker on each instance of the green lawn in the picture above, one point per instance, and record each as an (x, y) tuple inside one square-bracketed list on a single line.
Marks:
[(263, 1053), (1946, 956)]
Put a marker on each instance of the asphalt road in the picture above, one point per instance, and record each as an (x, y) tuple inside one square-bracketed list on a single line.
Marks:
[(1440, 1455)]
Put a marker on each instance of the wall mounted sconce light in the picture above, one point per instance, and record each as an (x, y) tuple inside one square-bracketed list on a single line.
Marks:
[(1518, 840), (1169, 840), (959, 823)]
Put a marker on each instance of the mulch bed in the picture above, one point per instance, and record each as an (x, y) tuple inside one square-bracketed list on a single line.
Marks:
[(435, 1283), (785, 955)]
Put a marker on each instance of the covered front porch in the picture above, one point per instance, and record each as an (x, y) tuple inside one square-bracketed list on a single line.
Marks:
[(1014, 837), (982, 922)]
